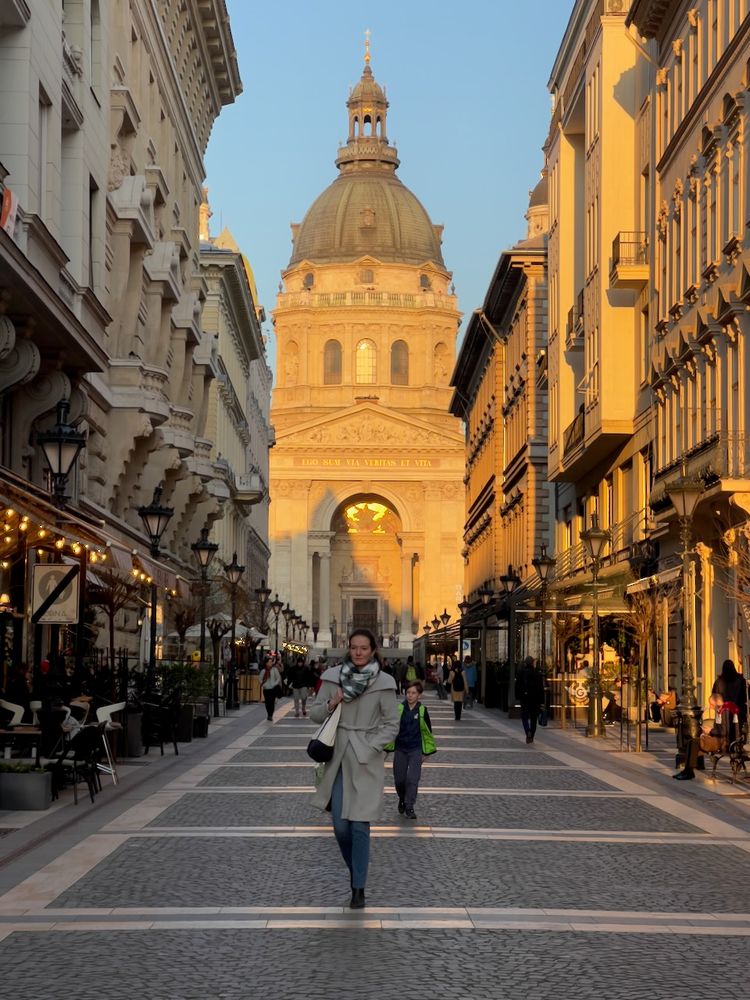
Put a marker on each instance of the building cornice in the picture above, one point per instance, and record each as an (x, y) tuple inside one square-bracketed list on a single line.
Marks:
[(651, 17)]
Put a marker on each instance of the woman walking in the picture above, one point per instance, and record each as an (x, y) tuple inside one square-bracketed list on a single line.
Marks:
[(352, 783), (457, 685), (270, 683)]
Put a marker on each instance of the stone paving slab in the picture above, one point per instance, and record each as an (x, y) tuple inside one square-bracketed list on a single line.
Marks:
[(345, 962), (298, 755), (231, 871), (532, 812), (432, 777)]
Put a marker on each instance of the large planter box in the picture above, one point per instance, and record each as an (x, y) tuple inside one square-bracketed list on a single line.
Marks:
[(134, 744), (25, 790), (185, 724)]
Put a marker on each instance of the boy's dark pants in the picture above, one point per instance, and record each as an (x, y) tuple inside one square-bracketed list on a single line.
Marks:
[(407, 770)]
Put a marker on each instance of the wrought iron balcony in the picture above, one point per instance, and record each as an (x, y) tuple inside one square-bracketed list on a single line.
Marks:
[(630, 261), (574, 434)]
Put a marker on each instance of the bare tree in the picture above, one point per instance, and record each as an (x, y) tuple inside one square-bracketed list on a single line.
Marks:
[(734, 558), (112, 592), (641, 623)]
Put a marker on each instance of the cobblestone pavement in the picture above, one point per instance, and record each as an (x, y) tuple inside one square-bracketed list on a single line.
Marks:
[(559, 870)]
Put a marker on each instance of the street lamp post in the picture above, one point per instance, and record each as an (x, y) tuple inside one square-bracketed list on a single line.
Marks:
[(277, 607), (262, 593), (486, 595), (685, 493), (234, 573), (463, 610), (204, 551), (61, 446), (595, 539), (155, 517), (544, 565), (509, 584)]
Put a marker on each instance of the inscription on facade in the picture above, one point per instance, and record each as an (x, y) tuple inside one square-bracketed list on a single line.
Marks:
[(370, 463)]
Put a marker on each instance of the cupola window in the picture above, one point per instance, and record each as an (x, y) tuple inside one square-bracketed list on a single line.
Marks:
[(365, 363), (308, 281), (366, 276), (399, 363), (424, 282), (332, 363)]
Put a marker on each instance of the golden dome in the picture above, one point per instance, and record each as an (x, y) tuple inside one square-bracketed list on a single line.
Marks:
[(367, 213), (367, 210)]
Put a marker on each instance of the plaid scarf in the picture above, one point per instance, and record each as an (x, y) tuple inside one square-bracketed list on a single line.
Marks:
[(355, 682)]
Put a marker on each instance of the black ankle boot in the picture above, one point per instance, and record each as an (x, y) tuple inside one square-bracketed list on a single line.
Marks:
[(685, 775), (358, 899)]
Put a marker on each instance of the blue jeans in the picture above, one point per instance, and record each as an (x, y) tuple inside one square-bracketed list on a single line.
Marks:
[(352, 836)]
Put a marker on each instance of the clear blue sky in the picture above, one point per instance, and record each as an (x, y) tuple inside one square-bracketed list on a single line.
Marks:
[(469, 111)]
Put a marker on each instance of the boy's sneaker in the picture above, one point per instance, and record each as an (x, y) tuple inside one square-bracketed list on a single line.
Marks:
[(410, 814), (401, 806)]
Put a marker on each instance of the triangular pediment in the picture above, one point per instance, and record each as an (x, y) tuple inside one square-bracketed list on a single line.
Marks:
[(367, 425)]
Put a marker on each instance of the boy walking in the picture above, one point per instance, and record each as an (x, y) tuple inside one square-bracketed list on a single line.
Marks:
[(414, 740)]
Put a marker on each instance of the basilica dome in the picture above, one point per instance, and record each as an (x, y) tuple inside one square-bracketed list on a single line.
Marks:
[(367, 210)]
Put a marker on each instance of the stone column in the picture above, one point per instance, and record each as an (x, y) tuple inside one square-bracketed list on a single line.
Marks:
[(406, 636), (324, 599)]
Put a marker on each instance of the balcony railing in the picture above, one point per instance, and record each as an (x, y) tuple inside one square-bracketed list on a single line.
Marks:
[(629, 248), (402, 300), (574, 433)]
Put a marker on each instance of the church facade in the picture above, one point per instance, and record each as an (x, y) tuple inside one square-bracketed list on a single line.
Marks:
[(366, 476)]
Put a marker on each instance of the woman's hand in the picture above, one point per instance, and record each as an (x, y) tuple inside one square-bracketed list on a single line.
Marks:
[(335, 699)]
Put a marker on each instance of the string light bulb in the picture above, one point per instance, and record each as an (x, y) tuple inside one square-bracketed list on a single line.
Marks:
[(59, 543)]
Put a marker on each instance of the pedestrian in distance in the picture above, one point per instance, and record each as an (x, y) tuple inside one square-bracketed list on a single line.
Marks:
[(413, 742), (530, 694), (270, 684), (732, 686), (470, 677), (457, 685), (351, 785), (440, 682), (302, 681)]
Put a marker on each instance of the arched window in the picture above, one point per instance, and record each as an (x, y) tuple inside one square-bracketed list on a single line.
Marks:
[(399, 363), (308, 281), (332, 363), (364, 363), (424, 282)]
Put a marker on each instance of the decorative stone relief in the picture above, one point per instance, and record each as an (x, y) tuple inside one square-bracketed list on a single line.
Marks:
[(661, 220), (368, 430)]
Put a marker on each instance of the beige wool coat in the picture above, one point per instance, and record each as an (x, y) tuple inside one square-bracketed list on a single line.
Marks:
[(367, 724)]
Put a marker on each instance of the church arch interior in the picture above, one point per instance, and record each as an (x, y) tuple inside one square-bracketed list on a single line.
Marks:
[(365, 573)]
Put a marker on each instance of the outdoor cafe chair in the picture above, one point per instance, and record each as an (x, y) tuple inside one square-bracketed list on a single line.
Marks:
[(78, 761), (16, 712), (107, 725)]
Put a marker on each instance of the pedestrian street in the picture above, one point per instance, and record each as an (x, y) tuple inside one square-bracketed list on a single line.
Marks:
[(558, 869)]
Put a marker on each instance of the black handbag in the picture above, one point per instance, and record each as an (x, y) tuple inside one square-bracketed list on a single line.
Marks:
[(543, 717)]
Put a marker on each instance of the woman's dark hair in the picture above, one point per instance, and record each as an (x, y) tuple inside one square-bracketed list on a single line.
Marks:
[(728, 670), (367, 634)]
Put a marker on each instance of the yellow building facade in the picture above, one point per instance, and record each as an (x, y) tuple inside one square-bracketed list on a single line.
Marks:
[(366, 474)]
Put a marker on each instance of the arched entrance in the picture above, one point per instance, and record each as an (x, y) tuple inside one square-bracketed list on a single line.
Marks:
[(366, 565)]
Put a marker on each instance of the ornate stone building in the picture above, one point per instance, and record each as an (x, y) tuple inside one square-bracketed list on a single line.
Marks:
[(101, 291), (367, 499), (500, 390), (238, 404), (697, 146), (599, 397)]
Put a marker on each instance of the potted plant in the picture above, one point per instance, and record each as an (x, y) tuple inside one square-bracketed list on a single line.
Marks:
[(24, 786)]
